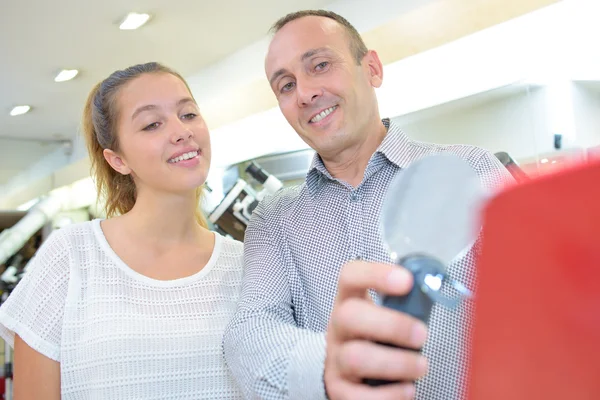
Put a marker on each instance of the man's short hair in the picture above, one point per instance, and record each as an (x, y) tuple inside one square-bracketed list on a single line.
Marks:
[(357, 45)]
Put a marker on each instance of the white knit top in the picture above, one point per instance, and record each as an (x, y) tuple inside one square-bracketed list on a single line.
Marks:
[(119, 334)]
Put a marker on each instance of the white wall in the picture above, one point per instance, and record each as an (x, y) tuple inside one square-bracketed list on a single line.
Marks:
[(586, 101), (510, 119)]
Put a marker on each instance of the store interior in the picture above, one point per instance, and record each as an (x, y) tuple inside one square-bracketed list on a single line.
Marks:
[(520, 78)]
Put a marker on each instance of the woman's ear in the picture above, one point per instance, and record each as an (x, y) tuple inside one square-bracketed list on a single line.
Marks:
[(116, 162)]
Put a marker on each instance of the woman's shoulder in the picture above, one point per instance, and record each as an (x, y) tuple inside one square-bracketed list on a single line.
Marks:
[(230, 251), (73, 241), (230, 243), (64, 239), (72, 232)]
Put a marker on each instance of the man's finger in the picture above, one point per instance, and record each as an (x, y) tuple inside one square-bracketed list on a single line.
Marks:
[(359, 359), (356, 391), (358, 276), (359, 319)]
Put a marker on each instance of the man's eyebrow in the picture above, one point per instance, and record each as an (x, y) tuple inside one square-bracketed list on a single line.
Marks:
[(276, 75), (312, 52)]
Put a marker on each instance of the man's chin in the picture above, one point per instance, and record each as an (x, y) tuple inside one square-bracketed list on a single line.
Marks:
[(327, 146), (329, 130)]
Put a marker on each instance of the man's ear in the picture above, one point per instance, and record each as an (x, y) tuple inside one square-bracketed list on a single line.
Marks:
[(374, 68), (116, 162)]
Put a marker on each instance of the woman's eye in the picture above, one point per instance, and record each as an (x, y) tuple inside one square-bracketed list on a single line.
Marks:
[(152, 126), (189, 116)]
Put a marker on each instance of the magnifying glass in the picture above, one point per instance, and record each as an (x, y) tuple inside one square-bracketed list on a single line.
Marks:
[(429, 217)]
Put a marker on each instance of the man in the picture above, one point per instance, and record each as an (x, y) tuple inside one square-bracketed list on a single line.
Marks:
[(305, 327)]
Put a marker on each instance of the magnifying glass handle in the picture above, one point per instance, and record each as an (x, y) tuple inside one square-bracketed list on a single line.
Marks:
[(417, 303)]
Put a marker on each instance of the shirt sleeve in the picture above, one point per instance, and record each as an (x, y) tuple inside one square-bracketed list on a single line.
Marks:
[(268, 354), (494, 175), (34, 310)]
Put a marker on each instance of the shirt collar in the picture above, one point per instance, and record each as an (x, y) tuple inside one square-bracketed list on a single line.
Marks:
[(393, 145), (317, 174)]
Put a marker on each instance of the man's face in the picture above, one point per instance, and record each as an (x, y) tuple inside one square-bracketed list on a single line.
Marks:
[(324, 94)]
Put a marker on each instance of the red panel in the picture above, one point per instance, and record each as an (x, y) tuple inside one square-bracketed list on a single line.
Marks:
[(537, 331)]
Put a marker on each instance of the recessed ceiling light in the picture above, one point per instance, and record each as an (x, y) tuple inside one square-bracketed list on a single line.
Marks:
[(19, 110), (544, 160), (66, 75), (134, 21)]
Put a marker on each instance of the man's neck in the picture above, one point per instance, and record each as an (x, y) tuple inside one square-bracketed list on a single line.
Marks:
[(350, 164)]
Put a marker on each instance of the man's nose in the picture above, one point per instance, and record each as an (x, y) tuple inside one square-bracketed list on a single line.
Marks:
[(307, 92)]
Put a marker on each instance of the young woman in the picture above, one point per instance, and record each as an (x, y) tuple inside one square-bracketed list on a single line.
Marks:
[(132, 306)]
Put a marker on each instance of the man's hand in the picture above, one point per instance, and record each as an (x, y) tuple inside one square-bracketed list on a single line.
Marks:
[(357, 323)]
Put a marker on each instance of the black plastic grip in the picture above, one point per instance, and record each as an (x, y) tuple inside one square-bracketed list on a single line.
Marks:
[(416, 303)]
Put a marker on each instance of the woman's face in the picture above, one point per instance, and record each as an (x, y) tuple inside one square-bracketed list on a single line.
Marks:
[(163, 140)]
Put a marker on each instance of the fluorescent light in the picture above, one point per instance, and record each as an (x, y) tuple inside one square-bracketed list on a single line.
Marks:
[(134, 21), (19, 110), (66, 75)]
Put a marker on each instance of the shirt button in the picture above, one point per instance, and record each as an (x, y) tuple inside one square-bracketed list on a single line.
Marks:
[(353, 197)]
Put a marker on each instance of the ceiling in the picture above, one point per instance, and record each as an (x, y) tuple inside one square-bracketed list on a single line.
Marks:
[(39, 38), (220, 48)]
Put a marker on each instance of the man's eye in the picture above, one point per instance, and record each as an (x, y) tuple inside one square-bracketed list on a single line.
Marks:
[(322, 65), (287, 87)]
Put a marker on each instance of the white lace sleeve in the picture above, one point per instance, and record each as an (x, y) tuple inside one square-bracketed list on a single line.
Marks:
[(35, 308)]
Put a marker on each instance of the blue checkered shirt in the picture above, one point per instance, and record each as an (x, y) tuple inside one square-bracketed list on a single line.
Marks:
[(295, 246)]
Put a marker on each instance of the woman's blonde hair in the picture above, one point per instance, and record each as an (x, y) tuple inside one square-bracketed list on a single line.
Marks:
[(99, 128)]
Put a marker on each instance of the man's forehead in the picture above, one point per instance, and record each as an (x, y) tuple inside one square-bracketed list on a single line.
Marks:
[(299, 36)]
